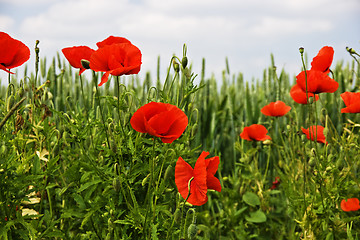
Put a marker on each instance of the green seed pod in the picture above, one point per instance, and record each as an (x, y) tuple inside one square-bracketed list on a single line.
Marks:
[(192, 231)]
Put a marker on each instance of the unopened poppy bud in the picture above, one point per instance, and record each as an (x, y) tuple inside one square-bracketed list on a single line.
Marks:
[(192, 231), (267, 142), (328, 169), (326, 131), (21, 92), (168, 172), (313, 152), (10, 102), (176, 66), (288, 127), (301, 50), (310, 100), (312, 162), (116, 184), (177, 215), (184, 62), (85, 63), (37, 50), (350, 50)]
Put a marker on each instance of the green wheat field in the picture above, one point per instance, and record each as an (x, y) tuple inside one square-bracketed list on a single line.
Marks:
[(72, 166)]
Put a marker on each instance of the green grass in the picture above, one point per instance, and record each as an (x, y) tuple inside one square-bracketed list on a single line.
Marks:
[(91, 170)]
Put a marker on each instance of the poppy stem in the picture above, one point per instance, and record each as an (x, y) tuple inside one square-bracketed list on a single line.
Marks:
[(101, 111), (118, 105), (182, 233)]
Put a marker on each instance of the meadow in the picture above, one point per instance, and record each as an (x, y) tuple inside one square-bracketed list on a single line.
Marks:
[(83, 161)]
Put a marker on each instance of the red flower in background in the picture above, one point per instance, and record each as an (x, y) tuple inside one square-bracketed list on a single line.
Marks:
[(299, 96), (116, 59), (323, 60), (352, 102), (351, 204), (202, 178), (317, 82), (13, 53), (255, 132), (275, 183), (317, 132), (75, 54), (160, 120), (275, 109)]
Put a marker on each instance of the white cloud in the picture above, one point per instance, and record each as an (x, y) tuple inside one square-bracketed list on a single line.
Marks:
[(246, 31), (6, 23)]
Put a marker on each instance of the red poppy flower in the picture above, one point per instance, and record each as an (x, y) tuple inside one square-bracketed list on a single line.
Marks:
[(323, 60), (275, 183), (352, 102), (299, 96), (116, 59), (112, 40), (161, 120), (203, 178), (317, 132), (317, 82), (255, 132), (75, 54), (275, 109), (351, 204), (13, 53)]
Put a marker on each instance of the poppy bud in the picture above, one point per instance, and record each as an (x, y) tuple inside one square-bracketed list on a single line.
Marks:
[(85, 63), (310, 100), (177, 215), (184, 62), (21, 92), (37, 50), (267, 142), (176, 66), (301, 50), (192, 231), (116, 184), (312, 162), (326, 132), (10, 102), (328, 169), (350, 50), (168, 172)]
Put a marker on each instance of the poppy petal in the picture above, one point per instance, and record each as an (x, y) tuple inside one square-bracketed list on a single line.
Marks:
[(112, 40), (317, 82), (323, 59), (275, 109), (183, 173), (13, 52), (352, 102), (299, 96)]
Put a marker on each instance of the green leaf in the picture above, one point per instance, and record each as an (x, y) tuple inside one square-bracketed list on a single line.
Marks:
[(251, 199), (256, 217)]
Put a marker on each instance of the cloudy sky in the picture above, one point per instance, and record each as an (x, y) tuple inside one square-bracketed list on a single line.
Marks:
[(245, 31)]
